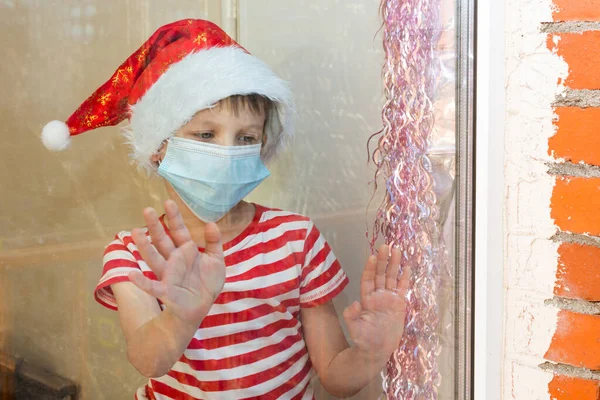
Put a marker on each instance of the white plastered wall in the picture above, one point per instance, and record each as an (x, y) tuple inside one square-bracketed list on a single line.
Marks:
[(530, 257)]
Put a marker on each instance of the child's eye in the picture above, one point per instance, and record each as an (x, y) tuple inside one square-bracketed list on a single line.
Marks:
[(248, 139), (204, 135)]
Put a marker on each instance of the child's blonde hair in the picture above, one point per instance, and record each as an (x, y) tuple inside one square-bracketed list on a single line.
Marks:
[(255, 103)]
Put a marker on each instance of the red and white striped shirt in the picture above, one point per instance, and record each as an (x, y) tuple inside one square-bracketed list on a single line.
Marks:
[(250, 345)]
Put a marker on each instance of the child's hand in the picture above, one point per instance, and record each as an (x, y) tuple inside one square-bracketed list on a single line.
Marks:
[(376, 323), (188, 281)]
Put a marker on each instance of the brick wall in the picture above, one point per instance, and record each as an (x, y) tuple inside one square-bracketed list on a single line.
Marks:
[(534, 77), (573, 356), (552, 200)]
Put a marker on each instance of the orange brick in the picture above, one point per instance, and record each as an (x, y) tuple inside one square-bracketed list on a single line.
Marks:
[(577, 135), (568, 388), (578, 273), (581, 51), (575, 204), (576, 340), (578, 10)]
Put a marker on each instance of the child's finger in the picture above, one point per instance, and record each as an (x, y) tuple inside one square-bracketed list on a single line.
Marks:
[(393, 269), (155, 261), (212, 240), (179, 231), (352, 312), (367, 282), (153, 288), (404, 281), (382, 260), (160, 239)]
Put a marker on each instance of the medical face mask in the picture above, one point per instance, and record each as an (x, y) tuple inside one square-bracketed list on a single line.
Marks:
[(212, 179)]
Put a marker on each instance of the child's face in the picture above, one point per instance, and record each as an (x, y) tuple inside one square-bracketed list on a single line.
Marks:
[(220, 125)]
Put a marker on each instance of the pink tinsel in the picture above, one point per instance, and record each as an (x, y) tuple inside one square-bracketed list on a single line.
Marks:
[(407, 216)]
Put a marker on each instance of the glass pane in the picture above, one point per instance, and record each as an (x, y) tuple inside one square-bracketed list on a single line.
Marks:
[(60, 210), (331, 52)]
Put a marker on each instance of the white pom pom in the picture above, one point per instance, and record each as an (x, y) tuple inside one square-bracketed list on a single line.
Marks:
[(56, 136)]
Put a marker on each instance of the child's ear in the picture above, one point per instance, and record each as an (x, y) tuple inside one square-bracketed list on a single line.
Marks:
[(264, 140), (155, 159), (159, 154)]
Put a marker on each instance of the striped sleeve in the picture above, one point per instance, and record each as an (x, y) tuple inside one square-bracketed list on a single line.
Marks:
[(322, 276), (121, 256)]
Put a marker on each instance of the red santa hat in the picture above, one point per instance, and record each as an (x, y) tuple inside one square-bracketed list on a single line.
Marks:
[(185, 67)]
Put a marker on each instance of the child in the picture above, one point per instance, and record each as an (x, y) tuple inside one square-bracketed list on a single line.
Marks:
[(220, 298)]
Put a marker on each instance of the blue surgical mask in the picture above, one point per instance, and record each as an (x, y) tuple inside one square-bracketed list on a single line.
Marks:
[(212, 179)]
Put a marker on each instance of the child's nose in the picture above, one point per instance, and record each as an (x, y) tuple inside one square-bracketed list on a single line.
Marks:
[(226, 140)]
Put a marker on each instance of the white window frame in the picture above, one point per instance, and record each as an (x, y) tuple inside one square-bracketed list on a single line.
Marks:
[(489, 205)]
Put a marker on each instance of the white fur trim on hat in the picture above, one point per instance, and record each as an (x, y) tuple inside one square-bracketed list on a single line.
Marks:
[(56, 136), (199, 81)]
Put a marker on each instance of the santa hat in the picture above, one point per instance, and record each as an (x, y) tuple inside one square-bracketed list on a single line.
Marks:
[(185, 67)]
